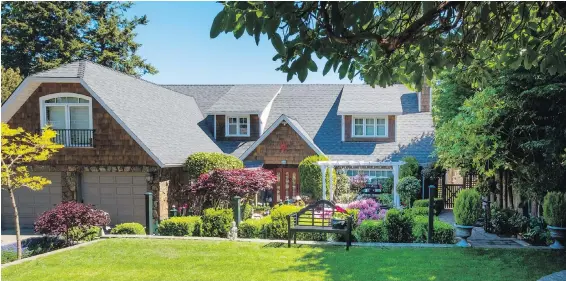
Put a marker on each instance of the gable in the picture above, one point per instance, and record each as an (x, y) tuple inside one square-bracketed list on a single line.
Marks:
[(283, 143), (112, 144)]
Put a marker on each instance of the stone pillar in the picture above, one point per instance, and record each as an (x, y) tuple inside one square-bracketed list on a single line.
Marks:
[(69, 185)]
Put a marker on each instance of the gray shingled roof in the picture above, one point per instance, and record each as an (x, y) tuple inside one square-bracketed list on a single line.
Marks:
[(363, 99), (245, 99), (166, 123), (205, 95)]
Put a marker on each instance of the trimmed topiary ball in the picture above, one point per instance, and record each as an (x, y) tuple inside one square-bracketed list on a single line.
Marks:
[(467, 207)]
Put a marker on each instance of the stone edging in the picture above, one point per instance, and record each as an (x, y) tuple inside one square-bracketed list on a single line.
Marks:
[(50, 253)]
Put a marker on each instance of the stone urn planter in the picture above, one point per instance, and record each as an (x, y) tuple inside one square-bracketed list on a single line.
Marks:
[(558, 234), (463, 232)]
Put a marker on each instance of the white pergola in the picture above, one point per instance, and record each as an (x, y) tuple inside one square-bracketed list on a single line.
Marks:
[(325, 165)]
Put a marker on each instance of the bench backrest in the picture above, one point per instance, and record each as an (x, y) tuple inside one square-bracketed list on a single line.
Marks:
[(316, 214)]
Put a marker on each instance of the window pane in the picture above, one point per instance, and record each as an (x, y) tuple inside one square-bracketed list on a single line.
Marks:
[(56, 117), (233, 120), (381, 130), (243, 129), (232, 129), (370, 130), (243, 120), (358, 121), (51, 101), (358, 130), (72, 100), (79, 117), (83, 101), (381, 121)]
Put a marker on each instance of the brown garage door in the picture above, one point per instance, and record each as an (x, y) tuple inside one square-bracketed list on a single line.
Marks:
[(30, 203), (119, 194)]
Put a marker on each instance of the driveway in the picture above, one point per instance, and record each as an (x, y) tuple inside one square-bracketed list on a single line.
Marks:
[(9, 235)]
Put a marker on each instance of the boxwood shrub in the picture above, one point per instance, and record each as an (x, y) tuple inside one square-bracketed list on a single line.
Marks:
[(278, 226), (371, 231), (554, 209), (398, 226), (204, 162), (217, 222), (417, 211), (181, 226), (81, 234), (467, 207), (252, 228), (443, 232), (438, 204), (128, 228)]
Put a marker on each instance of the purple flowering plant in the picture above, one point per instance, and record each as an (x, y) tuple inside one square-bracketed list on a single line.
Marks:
[(369, 209)]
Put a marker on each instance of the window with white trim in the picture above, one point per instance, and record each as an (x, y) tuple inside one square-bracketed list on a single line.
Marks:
[(70, 115), (369, 127), (373, 177), (238, 126)]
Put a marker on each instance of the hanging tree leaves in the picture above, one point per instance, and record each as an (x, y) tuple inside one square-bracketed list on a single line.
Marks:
[(388, 42)]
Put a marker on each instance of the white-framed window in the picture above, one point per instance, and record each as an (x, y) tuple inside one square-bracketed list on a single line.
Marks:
[(369, 127), (238, 126), (70, 115), (373, 177)]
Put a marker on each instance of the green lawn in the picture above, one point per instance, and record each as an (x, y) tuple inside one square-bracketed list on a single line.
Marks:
[(141, 259)]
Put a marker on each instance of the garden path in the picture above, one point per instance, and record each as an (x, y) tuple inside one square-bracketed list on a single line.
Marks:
[(480, 238)]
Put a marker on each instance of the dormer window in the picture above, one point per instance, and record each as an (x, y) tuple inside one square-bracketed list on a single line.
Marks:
[(238, 126), (70, 115), (369, 127)]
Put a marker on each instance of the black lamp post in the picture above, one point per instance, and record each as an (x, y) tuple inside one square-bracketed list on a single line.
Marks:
[(430, 213)]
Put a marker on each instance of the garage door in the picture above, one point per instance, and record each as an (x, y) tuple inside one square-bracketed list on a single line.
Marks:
[(119, 194), (30, 203)]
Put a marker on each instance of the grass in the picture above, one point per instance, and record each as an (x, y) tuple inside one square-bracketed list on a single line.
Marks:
[(141, 259)]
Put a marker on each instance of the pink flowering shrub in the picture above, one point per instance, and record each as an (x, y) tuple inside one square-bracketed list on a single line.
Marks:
[(369, 209), (67, 215)]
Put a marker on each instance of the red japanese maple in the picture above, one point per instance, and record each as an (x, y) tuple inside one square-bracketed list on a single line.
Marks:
[(220, 186)]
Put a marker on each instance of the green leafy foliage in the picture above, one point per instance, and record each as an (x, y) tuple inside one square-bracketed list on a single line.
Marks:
[(130, 228), (417, 211), (37, 36), (507, 222), (388, 42), (399, 226), (253, 228), (181, 226), (247, 211), (514, 124), (387, 186), (438, 205), (410, 168), (385, 199), (537, 233), (342, 184), (203, 162), (217, 222), (554, 209), (408, 188), (278, 227), (371, 231), (311, 177), (467, 207), (443, 232), (11, 79), (83, 234)]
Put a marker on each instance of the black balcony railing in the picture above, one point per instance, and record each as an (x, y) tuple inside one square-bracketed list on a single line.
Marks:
[(74, 137)]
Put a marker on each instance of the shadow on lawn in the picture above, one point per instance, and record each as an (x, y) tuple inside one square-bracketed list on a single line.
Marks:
[(425, 264)]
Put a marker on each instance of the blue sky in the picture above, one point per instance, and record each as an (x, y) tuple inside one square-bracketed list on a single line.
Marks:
[(177, 42)]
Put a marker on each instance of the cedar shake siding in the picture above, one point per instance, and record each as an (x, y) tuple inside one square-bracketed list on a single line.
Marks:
[(221, 129), (282, 144), (348, 131), (112, 144)]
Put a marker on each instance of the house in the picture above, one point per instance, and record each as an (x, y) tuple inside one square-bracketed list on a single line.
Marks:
[(125, 136)]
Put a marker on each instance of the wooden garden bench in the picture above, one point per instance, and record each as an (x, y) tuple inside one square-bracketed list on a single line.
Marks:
[(317, 218)]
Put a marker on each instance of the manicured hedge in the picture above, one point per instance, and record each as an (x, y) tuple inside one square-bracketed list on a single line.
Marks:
[(217, 222), (181, 226), (278, 226), (443, 232), (417, 211), (204, 162), (311, 177), (438, 204), (253, 228), (398, 226), (128, 228), (371, 231)]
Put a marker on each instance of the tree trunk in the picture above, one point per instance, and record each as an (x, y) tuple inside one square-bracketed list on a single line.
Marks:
[(17, 219)]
